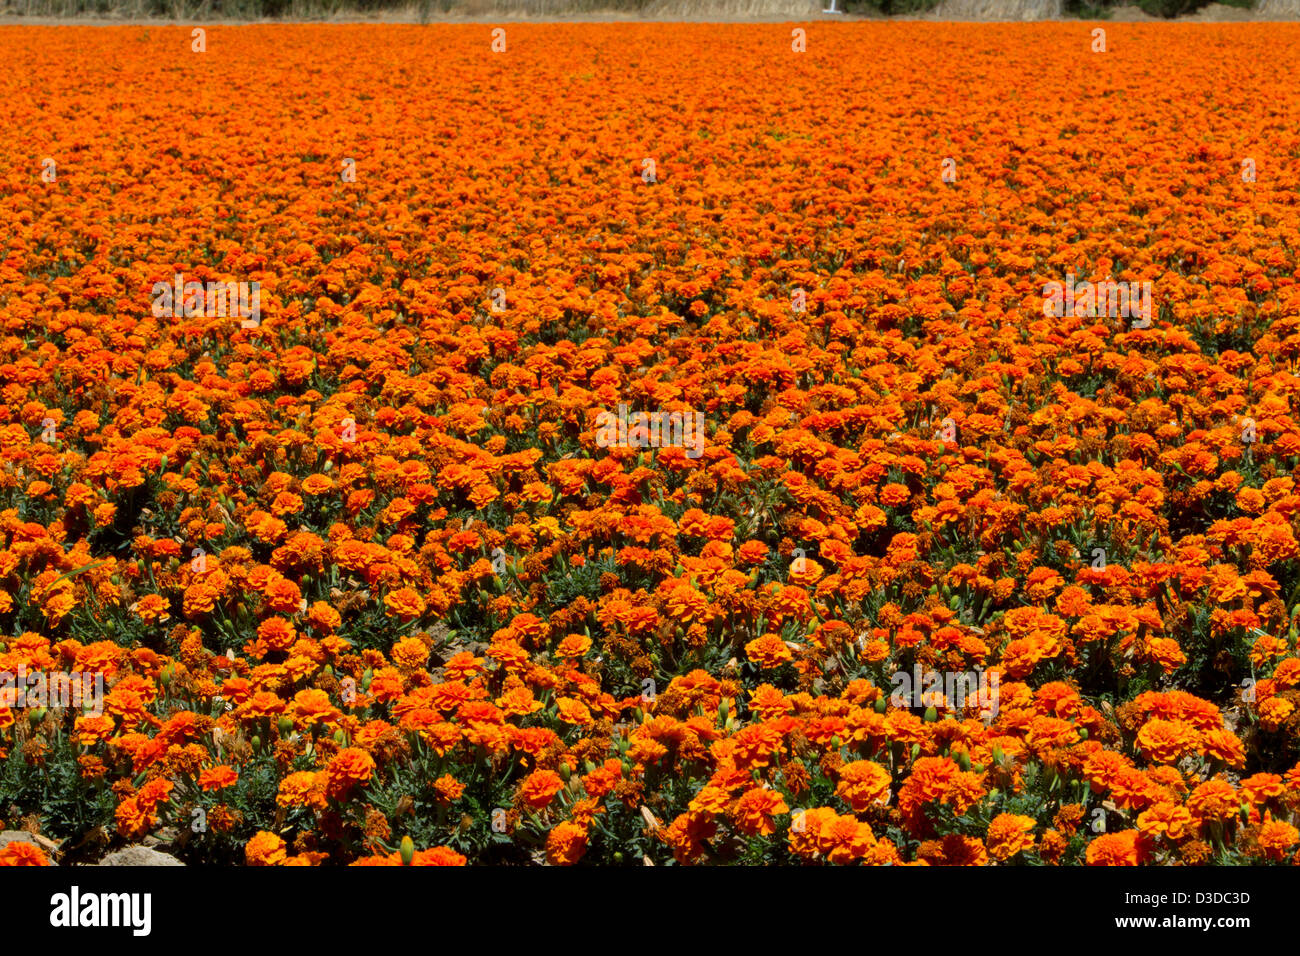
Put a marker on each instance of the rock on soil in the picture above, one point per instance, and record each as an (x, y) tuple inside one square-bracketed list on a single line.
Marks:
[(139, 856)]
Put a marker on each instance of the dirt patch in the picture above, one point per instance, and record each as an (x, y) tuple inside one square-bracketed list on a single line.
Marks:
[(1131, 15), (1222, 13), (1214, 13), (993, 10)]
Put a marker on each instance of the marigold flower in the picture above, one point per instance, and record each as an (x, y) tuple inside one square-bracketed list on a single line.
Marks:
[(404, 604), (565, 844), (264, 849), (768, 651), (1008, 835), (1275, 839), (348, 768), (1115, 849), (539, 787), (410, 654), (862, 784), (217, 778), (22, 853), (755, 809)]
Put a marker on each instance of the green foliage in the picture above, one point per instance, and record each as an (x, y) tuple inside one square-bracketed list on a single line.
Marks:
[(890, 8), (1167, 9)]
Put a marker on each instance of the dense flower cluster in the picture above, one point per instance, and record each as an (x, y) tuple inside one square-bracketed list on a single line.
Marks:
[(364, 587)]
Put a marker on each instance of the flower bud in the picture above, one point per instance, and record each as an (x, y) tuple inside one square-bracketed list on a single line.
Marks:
[(408, 851), (881, 705)]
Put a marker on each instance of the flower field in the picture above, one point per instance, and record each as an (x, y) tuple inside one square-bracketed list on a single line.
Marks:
[(367, 576)]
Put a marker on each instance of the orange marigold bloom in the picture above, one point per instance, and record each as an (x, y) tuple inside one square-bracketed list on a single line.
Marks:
[(217, 778), (199, 600), (1259, 788), (1008, 835), (462, 666), (519, 702), (134, 821), (1165, 741), (409, 654), (437, 856), (278, 633), (929, 780), (961, 850), (821, 832), (449, 788), (152, 609), (304, 788), (282, 595), (264, 849), (404, 603), (574, 712), (754, 811), (348, 768), (863, 783), (1115, 849), (574, 645), (768, 651), (22, 853), (313, 706), (686, 604), (317, 484), (565, 844), (1166, 819), (603, 779), (1224, 745), (539, 787), (1213, 800), (1276, 837)]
